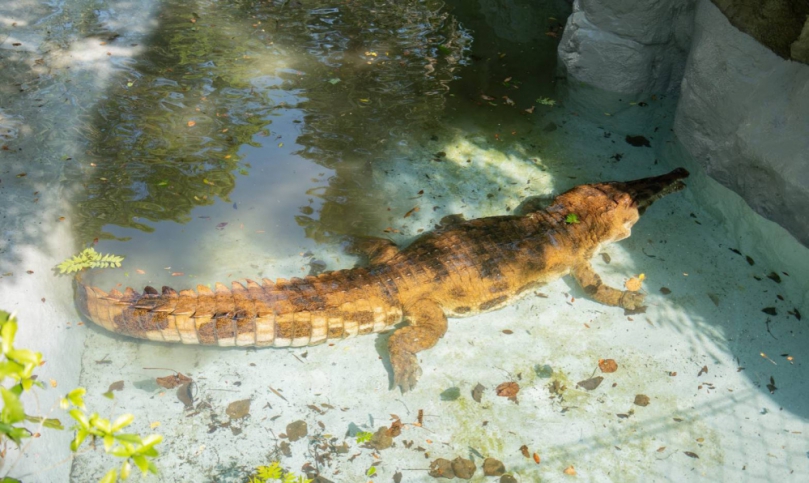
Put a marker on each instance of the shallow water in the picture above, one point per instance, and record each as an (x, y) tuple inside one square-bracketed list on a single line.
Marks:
[(249, 139)]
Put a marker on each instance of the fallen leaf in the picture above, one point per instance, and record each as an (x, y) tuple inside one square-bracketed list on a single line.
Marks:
[(509, 390), (191, 123), (530, 110), (185, 395), (154, 424), (570, 470), (142, 272), (177, 274), (239, 409), (691, 454), (702, 371), (170, 382), (222, 225), (770, 311), (116, 386), (524, 451), (508, 331), (591, 383), (477, 392), (536, 458), (641, 400), (661, 449), (486, 98), (412, 211), (607, 365)]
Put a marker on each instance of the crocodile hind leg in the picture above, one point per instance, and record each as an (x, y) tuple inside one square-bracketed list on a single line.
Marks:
[(427, 324), (591, 282)]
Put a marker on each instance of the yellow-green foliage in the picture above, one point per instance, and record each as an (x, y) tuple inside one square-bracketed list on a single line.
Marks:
[(17, 365), (274, 472), (89, 258)]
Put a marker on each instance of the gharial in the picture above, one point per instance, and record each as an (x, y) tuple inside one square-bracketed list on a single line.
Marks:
[(457, 270)]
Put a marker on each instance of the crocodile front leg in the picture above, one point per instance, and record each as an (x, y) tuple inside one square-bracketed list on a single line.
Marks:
[(427, 324), (591, 282)]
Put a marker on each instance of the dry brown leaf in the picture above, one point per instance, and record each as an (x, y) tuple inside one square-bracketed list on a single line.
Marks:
[(508, 389), (570, 470), (170, 382), (191, 123), (536, 458), (607, 365), (524, 451)]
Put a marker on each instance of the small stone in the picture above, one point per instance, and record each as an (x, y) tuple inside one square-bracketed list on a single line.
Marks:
[(381, 439), (493, 467), (508, 479), (297, 430), (463, 468), (441, 468), (642, 400)]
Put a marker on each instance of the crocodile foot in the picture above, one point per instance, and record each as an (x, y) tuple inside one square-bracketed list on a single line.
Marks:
[(631, 300), (406, 370)]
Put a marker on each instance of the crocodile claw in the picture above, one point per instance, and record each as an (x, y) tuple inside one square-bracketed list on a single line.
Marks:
[(406, 370)]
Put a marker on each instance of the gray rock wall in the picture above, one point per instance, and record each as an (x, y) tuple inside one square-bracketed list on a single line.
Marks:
[(744, 115), (628, 46), (743, 111)]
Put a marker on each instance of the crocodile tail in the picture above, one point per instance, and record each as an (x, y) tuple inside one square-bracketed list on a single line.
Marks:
[(281, 313)]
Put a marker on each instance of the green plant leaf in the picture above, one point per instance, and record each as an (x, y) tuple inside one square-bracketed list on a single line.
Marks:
[(13, 411), (110, 477), (141, 462), (122, 422), (80, 418), (364, 437), (126, 468), (371, 471), (76, 397), (572, 218)]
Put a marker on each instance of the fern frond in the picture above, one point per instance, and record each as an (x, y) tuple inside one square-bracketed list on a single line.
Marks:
[(89, 258)]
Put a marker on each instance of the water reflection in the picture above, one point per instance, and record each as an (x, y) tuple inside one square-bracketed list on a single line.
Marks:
[(214, 78)]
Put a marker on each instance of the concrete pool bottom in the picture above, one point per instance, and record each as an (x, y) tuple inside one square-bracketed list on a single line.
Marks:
[(711, 319), (746, 434)]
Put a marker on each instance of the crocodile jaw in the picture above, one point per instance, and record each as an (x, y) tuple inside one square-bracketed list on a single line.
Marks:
[(646, 191)]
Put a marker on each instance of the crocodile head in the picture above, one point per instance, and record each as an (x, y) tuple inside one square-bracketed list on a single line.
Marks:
[(611, 209)]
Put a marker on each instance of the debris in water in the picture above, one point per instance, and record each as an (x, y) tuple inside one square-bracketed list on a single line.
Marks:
[(607, 365), (642, 400), (295, 430), (570, 470), (239, 409), (702, 371), (170, 382), (770, 311), (638, 141), (477, 392), (774, 277), (665, 290), (524, 451), (441, 468), (771, 386), (493, 467), (463, 468), (509, 390), (691, 454), (591, 383)]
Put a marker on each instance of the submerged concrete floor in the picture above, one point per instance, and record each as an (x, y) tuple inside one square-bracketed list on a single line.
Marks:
[(725, 400)]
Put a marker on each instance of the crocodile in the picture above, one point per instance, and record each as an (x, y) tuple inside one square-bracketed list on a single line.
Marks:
[(457, 270)]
